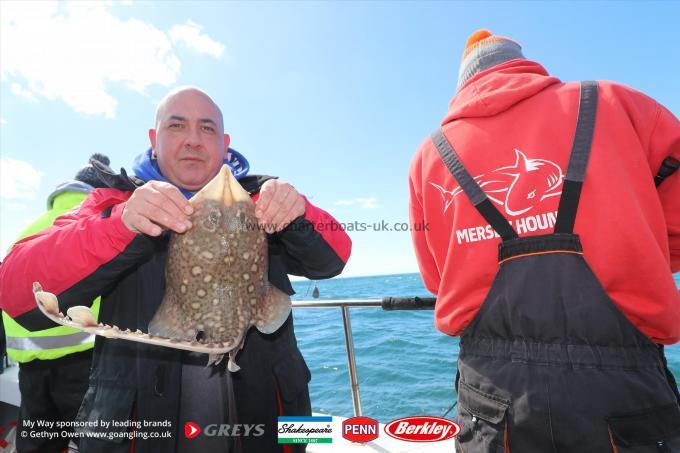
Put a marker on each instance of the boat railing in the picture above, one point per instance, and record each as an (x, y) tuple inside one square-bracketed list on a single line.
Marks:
[(386, 303)]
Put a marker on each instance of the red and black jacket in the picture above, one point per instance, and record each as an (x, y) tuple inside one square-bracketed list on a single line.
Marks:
[(89, 252)]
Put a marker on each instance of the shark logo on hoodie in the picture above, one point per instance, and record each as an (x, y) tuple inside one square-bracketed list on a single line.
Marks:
[(518, 188)]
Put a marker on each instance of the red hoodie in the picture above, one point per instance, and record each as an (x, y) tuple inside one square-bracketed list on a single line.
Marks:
[(513, 125)]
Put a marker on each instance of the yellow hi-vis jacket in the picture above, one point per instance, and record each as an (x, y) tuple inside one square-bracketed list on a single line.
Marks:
[(25, 346)]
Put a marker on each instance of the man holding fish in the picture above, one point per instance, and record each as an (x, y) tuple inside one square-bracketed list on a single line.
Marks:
[(116, 246)]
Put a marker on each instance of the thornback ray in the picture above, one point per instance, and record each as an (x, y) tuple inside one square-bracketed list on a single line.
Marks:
[(216, 282)]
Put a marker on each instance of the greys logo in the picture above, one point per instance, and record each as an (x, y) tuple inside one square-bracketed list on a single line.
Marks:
[(192, 430), (235, 430), (519, 187)]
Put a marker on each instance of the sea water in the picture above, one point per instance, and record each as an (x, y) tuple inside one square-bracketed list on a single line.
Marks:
[(405, 366)]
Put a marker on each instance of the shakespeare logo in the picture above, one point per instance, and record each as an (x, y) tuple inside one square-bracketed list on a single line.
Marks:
[(305, 430), (518, 188)]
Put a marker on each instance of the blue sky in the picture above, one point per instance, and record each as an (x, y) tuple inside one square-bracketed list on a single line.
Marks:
[(332, 97)]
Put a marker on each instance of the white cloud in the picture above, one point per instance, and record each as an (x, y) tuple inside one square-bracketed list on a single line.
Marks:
[(73, 52), (20, 91), (190, 34), (15, 206), (365, 203), (3, 121), (18, 180)]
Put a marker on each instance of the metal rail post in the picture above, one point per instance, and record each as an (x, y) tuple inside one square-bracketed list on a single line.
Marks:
[(387, 303), (353, 379)]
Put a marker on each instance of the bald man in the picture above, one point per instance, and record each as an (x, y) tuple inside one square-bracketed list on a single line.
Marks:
[(115, 245)]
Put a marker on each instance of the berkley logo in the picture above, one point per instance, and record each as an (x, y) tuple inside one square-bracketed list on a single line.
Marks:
[(422, 429), (191, 430), (360, 429)]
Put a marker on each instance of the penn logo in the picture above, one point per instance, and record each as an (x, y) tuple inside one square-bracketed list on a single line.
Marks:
[(191, 430), (422, 429), (360, 429)]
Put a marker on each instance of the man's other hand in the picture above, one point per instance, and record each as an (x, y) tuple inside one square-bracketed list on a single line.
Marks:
[(156, 206), (278, 205)]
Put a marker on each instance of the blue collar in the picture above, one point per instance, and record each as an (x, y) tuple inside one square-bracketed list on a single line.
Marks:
[(145, 167)]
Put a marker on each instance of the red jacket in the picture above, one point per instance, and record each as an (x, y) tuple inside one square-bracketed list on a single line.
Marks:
[(90, 252), (82, 242), (513, 126)]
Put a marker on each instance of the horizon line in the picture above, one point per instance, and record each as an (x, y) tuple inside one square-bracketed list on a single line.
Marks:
[(339, 277)]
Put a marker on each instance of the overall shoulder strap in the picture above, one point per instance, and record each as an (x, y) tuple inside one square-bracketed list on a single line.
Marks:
[(471, 188), (578, 160)]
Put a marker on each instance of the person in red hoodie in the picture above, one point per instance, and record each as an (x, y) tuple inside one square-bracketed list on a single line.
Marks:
[(551, 252)]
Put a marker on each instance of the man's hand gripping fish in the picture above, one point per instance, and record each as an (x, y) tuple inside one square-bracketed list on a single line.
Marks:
[(216, 281)]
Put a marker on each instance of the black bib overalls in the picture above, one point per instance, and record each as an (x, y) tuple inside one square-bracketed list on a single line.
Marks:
[(549, 363)]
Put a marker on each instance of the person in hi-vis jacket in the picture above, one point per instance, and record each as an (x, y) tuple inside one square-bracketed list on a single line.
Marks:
[(54, 363)]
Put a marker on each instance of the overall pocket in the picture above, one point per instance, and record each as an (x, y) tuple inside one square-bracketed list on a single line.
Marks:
[(292, 376), (655, 430), (482, 419), (110, 404)]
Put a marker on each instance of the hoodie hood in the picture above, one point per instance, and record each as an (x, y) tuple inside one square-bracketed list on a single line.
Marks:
[(68, 186), (146, 168), (498, 88)]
